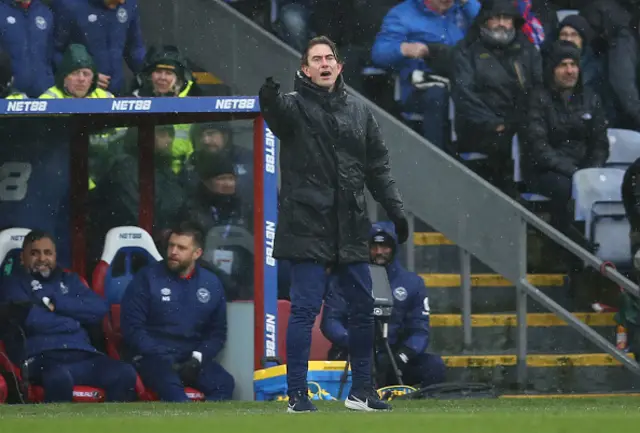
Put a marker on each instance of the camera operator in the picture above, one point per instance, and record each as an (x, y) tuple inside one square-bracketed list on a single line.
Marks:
[(408, 324)]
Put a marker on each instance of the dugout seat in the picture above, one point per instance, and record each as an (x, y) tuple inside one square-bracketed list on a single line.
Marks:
[(126, 250), (319, 344), (10, 248)]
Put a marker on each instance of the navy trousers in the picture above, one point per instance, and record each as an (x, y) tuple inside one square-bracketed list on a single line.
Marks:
[(158, 375), (59, 371), (308, 284)]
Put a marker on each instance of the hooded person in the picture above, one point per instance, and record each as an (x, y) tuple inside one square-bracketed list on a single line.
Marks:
[(408, 324), (76, 76), (566, 132), (165, 73), (495, 69)]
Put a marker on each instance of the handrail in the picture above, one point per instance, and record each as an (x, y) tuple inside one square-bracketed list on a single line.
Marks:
[(472, 213)]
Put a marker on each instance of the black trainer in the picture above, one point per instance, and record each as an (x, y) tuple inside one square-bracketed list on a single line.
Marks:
[(299, 403), (367, 401)]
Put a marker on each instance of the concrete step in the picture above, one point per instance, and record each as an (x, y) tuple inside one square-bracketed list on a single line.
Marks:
[(491, 293), (496, 333), (558, 373), (435, 253)]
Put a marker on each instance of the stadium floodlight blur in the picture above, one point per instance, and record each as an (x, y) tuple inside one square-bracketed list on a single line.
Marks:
[(57, 132)]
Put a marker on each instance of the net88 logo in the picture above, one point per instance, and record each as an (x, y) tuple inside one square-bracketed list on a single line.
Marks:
[(14, 178)]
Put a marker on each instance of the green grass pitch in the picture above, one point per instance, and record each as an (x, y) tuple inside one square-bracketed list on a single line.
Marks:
[(432, 416)]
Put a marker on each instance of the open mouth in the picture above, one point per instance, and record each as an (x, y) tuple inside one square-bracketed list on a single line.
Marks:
[(325, 73)]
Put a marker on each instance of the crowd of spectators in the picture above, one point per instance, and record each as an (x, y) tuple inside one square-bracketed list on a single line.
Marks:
[(475, 77)]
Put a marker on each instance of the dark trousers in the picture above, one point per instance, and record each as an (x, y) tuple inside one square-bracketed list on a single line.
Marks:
[(558, 188), (158, 375), (497, 168), (433, 104), (423, 370), (60, 370), (308, 284)]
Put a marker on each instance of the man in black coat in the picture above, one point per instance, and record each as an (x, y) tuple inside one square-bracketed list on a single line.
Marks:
[(495, 68), (566, 132), (331, 148)]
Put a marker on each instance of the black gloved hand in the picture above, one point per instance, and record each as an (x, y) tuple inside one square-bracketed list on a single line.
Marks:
[(402, 228), (189, 371), (271, 85)]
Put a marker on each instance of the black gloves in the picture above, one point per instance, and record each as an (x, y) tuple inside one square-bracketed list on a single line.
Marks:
[(270, 88), (189, 371), (402, 228)]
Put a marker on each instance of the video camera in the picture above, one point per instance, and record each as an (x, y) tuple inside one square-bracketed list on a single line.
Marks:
[(383, 299)]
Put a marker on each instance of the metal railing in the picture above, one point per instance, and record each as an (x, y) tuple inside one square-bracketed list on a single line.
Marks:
[(473, 214)]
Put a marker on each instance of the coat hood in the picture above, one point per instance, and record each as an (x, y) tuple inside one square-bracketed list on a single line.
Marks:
[(387, 230), (491, 8), (76, 57)]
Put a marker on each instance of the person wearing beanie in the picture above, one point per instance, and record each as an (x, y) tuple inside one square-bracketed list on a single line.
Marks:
[(76, 76), (495, 69), (409, 325), (567, 131), (215, 203), (217, 138)]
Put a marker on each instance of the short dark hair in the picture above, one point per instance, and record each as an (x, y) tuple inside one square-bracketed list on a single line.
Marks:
[(36, 235), (189, 228), (319, 40)]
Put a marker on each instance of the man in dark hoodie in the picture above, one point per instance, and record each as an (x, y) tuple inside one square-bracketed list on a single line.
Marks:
[(76, 76), (495, 68), (566, 132), (409, 323)]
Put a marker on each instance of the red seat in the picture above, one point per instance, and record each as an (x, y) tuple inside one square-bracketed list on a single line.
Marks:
[(319, 344)]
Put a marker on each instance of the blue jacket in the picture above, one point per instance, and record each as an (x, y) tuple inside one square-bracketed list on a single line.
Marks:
[(109, 34), (27, 35), (409, 322), (75, 305), (165, 315), (412, 21)]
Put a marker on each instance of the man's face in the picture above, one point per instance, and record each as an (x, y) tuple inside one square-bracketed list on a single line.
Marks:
[(112, 4), (39, 257), (570, 34), (212, 140), (566, 74), (164, 81), (182, 252), (322, 66), (380, 254), (79, 82), (164, 140), (440, 6), (225, 184), (500, 22)]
